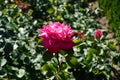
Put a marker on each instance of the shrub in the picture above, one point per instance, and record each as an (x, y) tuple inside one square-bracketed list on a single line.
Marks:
[(23, 57)]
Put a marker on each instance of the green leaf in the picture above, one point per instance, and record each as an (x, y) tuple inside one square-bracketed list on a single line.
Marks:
[(50, 10), (35, 22), (21, 73), (51, 1), (116, 59), (72, 61), (40, 41), (64, 75), (15, 46), (89, 58), (5, 78), (49, 69), (93, 51), (77, 41), (3, 62), (112, 46), (12, 6), (59, 17), (63, 66), (0, 13)]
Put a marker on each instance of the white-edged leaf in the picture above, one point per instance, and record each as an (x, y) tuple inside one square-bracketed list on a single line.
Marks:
[(15, 46), (21, 73), (3, 62)]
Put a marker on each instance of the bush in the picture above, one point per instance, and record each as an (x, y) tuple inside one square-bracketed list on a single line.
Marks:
[(23, 57)]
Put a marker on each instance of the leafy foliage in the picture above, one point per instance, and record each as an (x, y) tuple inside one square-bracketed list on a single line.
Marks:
[(23, 57)]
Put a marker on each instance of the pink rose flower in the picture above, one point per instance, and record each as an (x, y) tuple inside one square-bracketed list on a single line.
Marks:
[(56, 36), (98, 33)]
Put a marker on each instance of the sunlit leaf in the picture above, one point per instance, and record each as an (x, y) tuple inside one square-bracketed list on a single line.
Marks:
[(64, 75), (3, 62), (112, 46), (72, 61), (50, 10), (89, 58), (21, 73)]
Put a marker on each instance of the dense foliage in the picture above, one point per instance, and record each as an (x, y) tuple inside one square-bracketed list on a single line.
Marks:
[(23, 57)]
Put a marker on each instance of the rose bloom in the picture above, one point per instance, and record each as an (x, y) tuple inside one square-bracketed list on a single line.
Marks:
[(98, 33), (56, 36)]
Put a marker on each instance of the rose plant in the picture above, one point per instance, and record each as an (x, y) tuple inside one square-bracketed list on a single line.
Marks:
[(88, 56), (62, 51)]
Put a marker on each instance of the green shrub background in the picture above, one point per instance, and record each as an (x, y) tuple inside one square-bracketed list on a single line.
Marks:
[(22, 57)]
